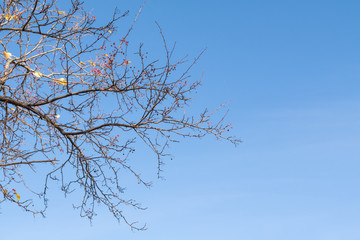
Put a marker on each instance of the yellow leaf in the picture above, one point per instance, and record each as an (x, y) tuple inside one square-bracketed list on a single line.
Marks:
[(82, 63), (61, 81), (61, 12), (12, 109), (57, 115), (17, 197), (106, 55), (92, 63), (4, 191), (37, 74), (8, 17), (7, 55), (109, 31)]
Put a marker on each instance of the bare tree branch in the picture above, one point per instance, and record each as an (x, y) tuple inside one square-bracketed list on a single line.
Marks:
[(74, 97)]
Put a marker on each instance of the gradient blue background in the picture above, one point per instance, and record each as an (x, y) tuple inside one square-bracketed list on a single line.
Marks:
[(292, 71)]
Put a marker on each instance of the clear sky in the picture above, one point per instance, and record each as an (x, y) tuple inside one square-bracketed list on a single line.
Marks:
[(292, 71)]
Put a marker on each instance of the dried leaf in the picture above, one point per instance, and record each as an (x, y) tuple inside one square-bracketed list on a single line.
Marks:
[(37, 74), (4, 191), (7, 55), (15, 18), (61, 81)]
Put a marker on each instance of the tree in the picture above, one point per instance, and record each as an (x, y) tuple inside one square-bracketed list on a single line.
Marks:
[(73, 103)]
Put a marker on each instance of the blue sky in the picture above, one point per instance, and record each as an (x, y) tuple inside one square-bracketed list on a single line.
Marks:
[(291, 69)]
